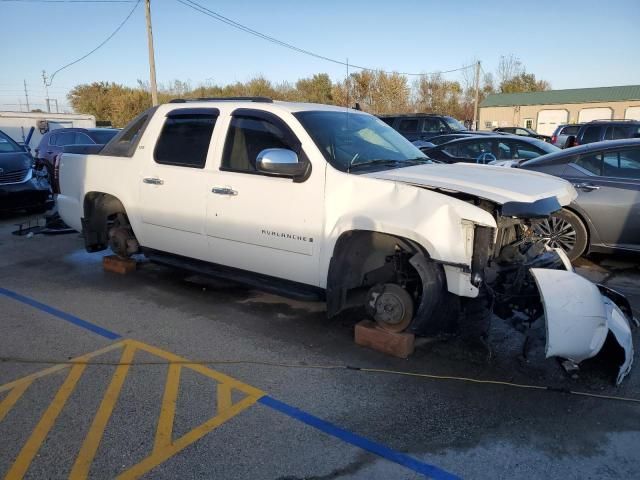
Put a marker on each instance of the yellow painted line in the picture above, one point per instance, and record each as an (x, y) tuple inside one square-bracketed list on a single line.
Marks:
[(160, 456), (12, 397), (92, 440), (164, 432), (57, 368), (206, 371), (29, 450), (223, 392), (164, 444)]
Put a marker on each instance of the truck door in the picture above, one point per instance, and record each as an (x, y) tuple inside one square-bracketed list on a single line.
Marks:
[(173, 183), (260, 223)]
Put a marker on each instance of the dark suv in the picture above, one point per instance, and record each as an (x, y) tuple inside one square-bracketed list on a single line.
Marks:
[(54, 141), (600, 130), (423, 126)]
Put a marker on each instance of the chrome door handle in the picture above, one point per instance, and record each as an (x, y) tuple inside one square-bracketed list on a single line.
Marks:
[(224, 191), (587, 187), (153, 181)]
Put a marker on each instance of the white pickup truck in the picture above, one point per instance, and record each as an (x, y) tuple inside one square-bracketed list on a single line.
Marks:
[(328, 202)]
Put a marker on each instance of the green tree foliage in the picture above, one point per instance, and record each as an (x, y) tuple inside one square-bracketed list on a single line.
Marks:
[(375, 91)]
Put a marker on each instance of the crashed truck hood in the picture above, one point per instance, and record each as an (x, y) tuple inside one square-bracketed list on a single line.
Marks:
[(498, 184)]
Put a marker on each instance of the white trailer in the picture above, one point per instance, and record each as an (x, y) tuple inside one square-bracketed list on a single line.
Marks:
[(18, 124)]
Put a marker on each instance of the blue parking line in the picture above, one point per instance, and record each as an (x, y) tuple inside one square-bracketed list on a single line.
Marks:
[(60, 314), (293, 412), (361, 442)]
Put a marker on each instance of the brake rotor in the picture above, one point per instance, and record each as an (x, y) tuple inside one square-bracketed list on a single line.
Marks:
[(393, 307)]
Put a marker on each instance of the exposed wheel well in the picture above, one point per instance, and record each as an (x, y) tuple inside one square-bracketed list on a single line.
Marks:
[(99, 210), (362, 259)]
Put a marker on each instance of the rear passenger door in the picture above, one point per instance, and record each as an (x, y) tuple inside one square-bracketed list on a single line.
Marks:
[(408, 127), (608, 186), (173, 189)]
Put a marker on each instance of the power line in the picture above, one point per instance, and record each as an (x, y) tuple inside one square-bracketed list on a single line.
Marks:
[(68, 1), (216, 16), (100, 45)]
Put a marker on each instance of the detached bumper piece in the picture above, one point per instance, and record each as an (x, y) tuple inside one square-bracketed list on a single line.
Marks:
[(580, 316)]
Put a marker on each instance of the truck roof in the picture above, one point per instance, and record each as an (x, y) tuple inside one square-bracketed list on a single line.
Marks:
[(266, 104)]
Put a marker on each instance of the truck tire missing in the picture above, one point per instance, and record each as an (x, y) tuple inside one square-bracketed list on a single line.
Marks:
[(105, 224), (392, 278)]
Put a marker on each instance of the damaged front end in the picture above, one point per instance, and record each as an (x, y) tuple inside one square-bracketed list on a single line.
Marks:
[(527, 280)]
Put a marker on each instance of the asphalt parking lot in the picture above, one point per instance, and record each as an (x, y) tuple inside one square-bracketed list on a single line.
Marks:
[(160, 374)]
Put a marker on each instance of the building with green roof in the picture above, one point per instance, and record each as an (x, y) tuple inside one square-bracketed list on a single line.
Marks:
[(544, 111)]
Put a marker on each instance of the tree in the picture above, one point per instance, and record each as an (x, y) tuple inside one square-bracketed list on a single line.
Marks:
[(316, 89), (524, 82)]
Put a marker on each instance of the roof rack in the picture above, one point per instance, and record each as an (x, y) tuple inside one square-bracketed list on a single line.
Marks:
[(222, 99), (614, 120)]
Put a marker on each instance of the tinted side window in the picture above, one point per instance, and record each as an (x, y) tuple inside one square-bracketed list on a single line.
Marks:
[(124, 144), (624, 131), (408, 125), (521, 131), (83, 139), (527, 151), (246, 138), (67, 138), (473, 150), (432, 125), (571, 130), (622, 163), (184, 140), (388, 120), (591, 162), (591, 134)]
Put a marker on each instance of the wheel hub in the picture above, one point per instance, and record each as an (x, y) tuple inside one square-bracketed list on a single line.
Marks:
[(393, 307)]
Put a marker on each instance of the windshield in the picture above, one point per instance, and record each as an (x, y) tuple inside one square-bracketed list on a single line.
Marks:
[(547, 147), (348, 139), (454, 124), (7, 145), (103, 136)]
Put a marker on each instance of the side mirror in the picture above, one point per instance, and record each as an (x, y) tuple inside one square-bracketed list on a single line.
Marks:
[(280, 161)]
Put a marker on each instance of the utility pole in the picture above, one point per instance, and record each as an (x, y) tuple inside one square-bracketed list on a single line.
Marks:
[(46, 89), (475, 108), (26, 95), (56, 100), (152, 62)]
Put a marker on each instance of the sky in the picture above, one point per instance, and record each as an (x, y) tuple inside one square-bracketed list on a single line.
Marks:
[(571, 44)]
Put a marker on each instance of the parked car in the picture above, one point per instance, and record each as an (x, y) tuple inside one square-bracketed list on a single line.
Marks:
[(564, 133), (21, 187), (440, 139), (606, 215), (600, 130), (422, 126), (54, 141), (489, 148), (315, 201), (523, 132)]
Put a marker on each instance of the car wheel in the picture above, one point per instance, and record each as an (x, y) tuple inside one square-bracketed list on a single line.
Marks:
[(564, 230)]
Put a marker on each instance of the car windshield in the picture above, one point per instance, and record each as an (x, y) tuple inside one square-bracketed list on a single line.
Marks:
[(454, 124), (547, 147), (7, 145), (349, 140), (103, 136)]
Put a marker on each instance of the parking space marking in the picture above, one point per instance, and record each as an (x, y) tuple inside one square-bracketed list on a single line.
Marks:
[(103, 332), (164, 446)]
